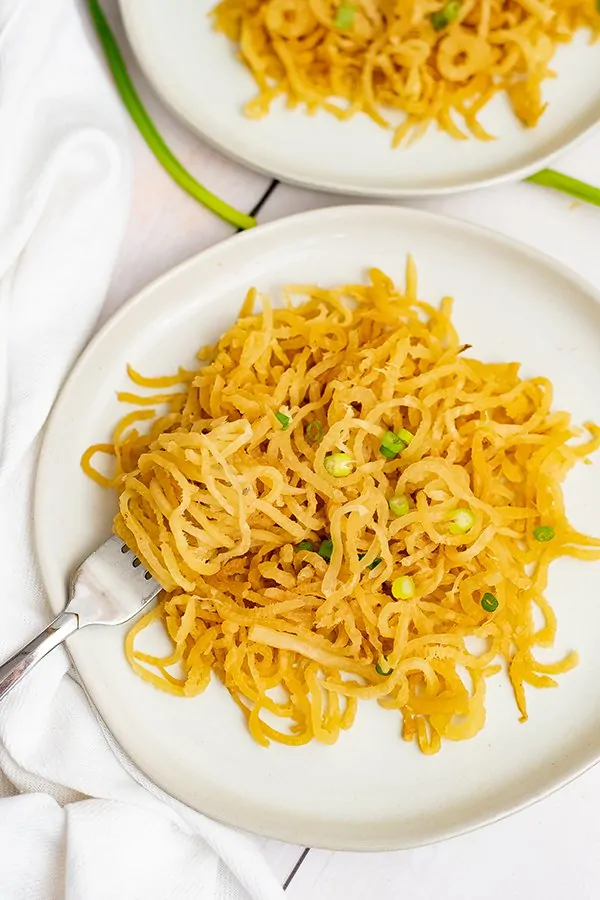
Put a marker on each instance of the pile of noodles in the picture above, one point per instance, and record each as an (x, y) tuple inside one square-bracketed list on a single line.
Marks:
[(391, 57), (217, 496)]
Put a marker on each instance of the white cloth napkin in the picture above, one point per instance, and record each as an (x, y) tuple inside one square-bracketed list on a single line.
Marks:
[(82, 822)]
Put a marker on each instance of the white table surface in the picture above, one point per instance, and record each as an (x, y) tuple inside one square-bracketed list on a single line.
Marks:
[(166, 227)]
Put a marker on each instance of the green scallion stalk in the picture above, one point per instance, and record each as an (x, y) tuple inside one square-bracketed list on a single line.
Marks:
[(572, 186), (313, 431), (489, 602), (344, 17), (543, 533), (403, 588), (338, 464), (405, 435), (283, 419), (372, 565), (305, 545), (379, 667), (461, 520), (392, 444), (148, 130), (326, 549), (399, 505), (446, 15)]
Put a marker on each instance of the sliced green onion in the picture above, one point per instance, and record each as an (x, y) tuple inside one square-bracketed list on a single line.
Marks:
[(305, 545), (438, 19), (314, 432), (399, 505), (338, 464), (489, 602), (392, 444), (446, 15), (344, 17), (147, 128), (462, 520), (403, 588), (379, 667), (285, 420), (405, 435), (543, 533), (326, 549), (372, 565)]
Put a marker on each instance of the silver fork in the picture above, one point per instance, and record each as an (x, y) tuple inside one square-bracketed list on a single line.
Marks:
[(108, 588)]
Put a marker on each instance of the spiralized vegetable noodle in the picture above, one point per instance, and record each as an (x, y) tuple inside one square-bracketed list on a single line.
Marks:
[(434, 61), (336, 502)]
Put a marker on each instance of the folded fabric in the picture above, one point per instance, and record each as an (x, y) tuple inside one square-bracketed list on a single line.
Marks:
[(82, 822)]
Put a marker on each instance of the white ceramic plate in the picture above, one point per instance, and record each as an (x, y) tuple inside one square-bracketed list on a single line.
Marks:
[(370, 790), (197, 73)]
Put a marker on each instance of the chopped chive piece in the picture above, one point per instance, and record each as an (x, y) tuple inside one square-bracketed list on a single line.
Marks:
[(489, 602), (326, 549), (372, 565), (403, 588), (461, 521), (344, 17), (148, 130), (392, 444), (446, 15), (405, 435), (379, 667), (338, 464), (285, 420), (305, 545), (543, 533), (314, 432), (399, 505)]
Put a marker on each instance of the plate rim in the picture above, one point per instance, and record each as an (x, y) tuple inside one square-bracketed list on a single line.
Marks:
[(298, 831), (520, 173)]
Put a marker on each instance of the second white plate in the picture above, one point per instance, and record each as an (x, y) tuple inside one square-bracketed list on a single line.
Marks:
[(198, 74), (370, 790)]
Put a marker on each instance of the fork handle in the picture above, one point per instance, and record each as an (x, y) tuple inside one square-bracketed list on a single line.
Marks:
[(28, 656)]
